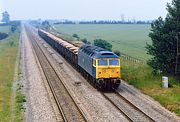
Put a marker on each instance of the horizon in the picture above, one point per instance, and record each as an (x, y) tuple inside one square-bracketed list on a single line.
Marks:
[(85, 10)]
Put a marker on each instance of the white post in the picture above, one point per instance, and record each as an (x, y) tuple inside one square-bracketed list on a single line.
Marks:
[(165, 82)]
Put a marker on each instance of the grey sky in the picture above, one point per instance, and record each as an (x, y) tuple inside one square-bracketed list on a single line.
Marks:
[(84, 9)]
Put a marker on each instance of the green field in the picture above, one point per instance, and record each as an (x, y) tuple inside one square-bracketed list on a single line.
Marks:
[(128, 38), (4, 29)]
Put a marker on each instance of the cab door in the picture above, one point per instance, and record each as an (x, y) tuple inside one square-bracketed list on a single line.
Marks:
[(94, 61)]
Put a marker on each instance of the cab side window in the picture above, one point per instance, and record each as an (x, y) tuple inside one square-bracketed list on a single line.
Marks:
[(94, 62)]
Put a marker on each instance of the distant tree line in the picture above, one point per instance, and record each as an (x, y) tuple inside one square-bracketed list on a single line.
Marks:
[(104, 22), (114, 22), (65, 22)]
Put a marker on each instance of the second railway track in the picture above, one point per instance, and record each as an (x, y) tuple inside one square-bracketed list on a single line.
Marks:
[(68, 107), (132, 112)]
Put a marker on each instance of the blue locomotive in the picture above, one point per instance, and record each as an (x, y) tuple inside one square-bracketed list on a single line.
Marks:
[(99, 66)]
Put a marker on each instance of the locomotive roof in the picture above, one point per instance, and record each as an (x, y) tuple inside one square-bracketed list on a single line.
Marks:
[(97, 52)]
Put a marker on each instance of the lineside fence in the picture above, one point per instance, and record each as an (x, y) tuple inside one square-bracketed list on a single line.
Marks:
[(125, 58)]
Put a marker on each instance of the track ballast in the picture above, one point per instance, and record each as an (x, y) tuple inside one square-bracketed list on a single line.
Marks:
[(67, 106)]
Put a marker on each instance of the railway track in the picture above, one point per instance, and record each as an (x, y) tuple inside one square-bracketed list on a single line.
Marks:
[(132, 112), (69, 109)]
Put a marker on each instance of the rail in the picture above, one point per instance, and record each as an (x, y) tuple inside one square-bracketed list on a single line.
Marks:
[(128, 109), (67, 106)]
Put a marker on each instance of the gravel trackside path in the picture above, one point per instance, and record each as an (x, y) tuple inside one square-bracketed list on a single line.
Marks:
[(38, 105)]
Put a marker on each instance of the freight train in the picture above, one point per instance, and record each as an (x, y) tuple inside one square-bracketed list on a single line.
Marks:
[(99, 66)]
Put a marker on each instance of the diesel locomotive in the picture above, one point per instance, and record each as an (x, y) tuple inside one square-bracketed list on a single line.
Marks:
[(99, 66)]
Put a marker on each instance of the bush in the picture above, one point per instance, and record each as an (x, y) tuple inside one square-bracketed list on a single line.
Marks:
[(14, 25), (76, 36), (11, 43), (103, 44), (46, 24), (13, 28), (88, 42), (84, 40), (3, 36), (117, 52)]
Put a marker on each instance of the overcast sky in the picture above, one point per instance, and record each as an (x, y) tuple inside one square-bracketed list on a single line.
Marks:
[(85, 9)]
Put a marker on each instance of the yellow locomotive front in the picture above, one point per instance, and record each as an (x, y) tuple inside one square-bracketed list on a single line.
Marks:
[(107, 68), (107, 72)]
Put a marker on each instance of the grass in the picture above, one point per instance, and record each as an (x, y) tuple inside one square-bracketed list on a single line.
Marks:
[(8, 52), (141, 77), (4, 29), (130, 39), (20, 99)]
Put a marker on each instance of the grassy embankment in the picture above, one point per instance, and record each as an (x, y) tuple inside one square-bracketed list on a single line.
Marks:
[(141, 77), (8, 54), (131, 39)]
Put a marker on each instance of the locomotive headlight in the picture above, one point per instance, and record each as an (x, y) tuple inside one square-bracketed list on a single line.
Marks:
[(117, 71), (100, 71)]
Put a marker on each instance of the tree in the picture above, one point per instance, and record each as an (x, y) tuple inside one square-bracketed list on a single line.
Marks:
[(84, 40), (3, 35), (103, 44), (14, 25), (76, 36), (165, 41), (46, 24), (117, 52), (5, 17), (88, 42)]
